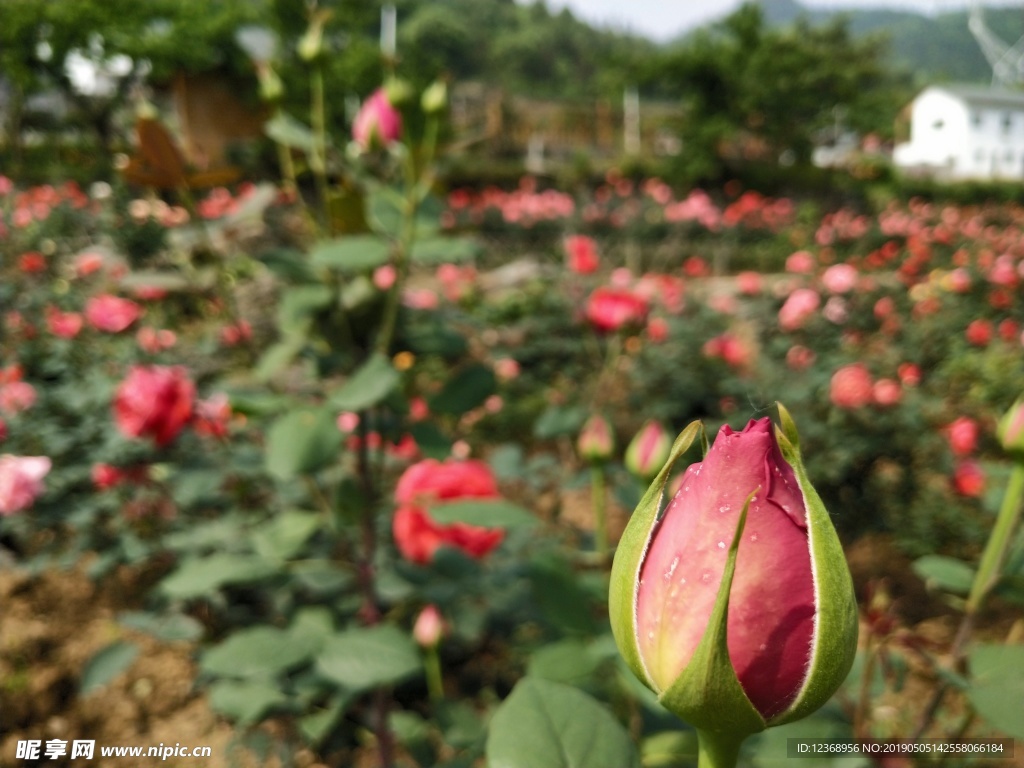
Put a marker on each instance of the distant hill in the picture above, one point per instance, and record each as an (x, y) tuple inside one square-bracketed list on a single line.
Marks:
[(932, 48)]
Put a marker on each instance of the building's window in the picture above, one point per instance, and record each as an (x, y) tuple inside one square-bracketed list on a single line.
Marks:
[(976, 119), (937, 125), (1007, 122)]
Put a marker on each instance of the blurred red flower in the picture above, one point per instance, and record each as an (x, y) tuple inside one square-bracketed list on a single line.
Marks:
[(581, 253), (111, 313), (851, 386), (969, 479), (155, 401), (963, 436), (609, 309), (417, 535)]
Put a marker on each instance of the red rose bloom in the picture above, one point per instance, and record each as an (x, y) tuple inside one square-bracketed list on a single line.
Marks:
[(417, 535), (609, 309), (155, 402)]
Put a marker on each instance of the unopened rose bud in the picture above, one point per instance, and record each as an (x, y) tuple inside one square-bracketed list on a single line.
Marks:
[(1011, 429), (312, 42), (429, 627), (736, 605), (377, 123), (435, 98), (596, 441), (648, 450)]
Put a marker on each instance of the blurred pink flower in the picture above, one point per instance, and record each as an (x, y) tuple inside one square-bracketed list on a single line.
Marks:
[(231, 335), (384, 277), (65, 325), (348, 421), (153, 341), (749, 283), (799, 357), (909, 374), (887, 392), (800, 262), (420, 298), (506, 368), (839, 278), (801, 304), (212, 416), (963, 436), (111, 314), (429, 627), (851, 386), (155, 402), (377, 123), (16, 396), (657, 329), (581, 254), (21, 481)]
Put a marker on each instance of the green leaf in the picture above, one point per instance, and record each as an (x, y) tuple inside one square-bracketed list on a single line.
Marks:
[(469, 388), (946, 573), (277, 356), (285, 129), (560, 597), (384, 212), (200, 576), (299, 303), (105, 665), (442, 250), (283, 536), (370, 384), (997, 692), (302, 441), (363, 658), (288, 264), (244, 701), (543, 724), (432, 442), (257, 652), (486, 513), (169, 628), (560, 420), (317, 726), (351, 254), (567, 661), (164, 281)]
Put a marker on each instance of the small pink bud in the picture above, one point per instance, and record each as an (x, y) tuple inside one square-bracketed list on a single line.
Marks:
[(377, 123), (648, 450), (429, 627), (596, 441)]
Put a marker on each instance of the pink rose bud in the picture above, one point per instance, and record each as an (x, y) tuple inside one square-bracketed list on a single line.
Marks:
[(596, 441), (155, 401), (429, 627), (736, 605), (377, 123), (648, 451)]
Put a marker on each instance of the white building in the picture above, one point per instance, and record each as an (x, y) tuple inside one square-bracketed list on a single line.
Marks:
[(965, 132)]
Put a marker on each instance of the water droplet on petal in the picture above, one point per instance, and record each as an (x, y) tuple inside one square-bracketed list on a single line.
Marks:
[(706, 576), (724, 508), (721, 545), (686, 487), (753, 537), (650, 635), (763, 646)]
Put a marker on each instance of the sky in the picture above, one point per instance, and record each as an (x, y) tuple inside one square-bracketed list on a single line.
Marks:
[(666, 19)]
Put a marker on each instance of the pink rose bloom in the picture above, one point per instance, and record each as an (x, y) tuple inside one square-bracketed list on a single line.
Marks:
[(111, 314), (609, 309), (153, 341), (799, 357), (377, 123), (963, 436), (839, 278), (749, 283), (155, 402), (21, 481), (851, 386), (959, 280), (65, 325), (800, 262), (657, 329), (506, 368), (581, 252), (420, 298), (16, 396), (384, 277), (887, 392), (801, 304)]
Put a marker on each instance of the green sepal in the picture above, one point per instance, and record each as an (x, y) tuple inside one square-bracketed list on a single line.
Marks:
[(707, 694), (629, 556), (836, 627)]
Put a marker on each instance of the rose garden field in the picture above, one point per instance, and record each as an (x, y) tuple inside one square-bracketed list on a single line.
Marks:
[(347, 463)]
